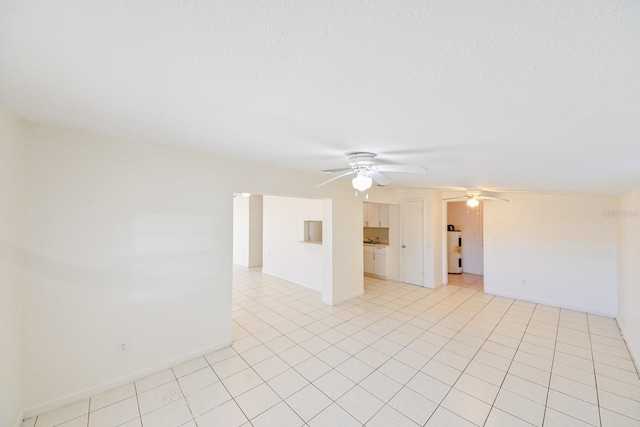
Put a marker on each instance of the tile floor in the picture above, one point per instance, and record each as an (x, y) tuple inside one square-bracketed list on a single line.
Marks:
[(398, 356)]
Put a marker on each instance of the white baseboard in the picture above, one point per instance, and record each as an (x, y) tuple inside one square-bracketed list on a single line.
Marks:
[(551, 303), (126, 379), (344, 298), (304, 285), (19, 422), (635, 357)]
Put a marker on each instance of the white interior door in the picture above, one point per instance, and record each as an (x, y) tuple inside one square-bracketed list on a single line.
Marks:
[(412, 242)]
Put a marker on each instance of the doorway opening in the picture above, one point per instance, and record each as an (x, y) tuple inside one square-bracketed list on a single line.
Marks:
[(464, 249)]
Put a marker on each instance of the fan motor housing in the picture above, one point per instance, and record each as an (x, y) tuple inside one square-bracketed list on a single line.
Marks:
[(361, 160)]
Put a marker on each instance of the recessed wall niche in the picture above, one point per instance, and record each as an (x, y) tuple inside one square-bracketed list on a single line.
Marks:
[(313, 232)]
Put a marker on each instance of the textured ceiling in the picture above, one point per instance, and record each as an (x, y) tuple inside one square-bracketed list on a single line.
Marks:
[(511, 95)]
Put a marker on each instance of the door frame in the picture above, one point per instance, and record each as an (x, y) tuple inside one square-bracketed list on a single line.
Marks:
[(445, 266), (422, 239)]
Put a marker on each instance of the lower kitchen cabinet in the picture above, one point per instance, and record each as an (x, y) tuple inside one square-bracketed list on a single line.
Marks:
[(375, 261)]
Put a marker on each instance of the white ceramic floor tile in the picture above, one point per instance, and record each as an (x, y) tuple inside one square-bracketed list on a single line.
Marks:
[(466, 406), (354, 369), (64, 414), (227, 414), (207, 398), (627, 407), (334, 384), (242, 381), (381, 386), (553, 418), (361, 404), (477, 388), (614, 419), (197, 380), (230, 366), (270, 367), (499, 418), (280, 415), (413, 405), (256, 354), (442, 372), (445, 418), (257, 400), (219, 355), (287, 383), (312, 368), (172, 415), (294, 355), (520, 407), (337, 365), (334, 415), (77, 422), (115, 414), (112, 396), (157, 397), (387, 416), (190, 366), (308, 402), (155, 380)]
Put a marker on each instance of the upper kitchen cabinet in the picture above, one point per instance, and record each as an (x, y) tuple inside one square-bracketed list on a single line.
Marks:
[(376, 215)]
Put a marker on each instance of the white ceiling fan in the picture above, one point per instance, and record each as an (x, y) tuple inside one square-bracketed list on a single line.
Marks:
[(474, 196), (364, 166)]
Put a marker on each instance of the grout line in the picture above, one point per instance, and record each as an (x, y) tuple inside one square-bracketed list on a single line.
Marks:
[(553, 360)]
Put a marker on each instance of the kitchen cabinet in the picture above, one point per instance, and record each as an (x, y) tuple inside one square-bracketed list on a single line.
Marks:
[(375, 261), (376, 215)]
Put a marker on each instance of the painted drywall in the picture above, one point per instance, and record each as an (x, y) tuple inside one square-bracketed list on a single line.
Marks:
[(255, 230), (241, 230), (469, 221), (627, 216), (552, 249), (131, 242), (247, 230), (125, 242), (286, 255), (11, 383)]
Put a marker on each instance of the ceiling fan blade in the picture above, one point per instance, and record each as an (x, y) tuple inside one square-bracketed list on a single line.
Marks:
[(379, 178), (461, 198), (336, 177), (400, 168), (336, 170), (491, 198)]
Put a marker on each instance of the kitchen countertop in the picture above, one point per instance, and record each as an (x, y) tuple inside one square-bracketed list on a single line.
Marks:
[(375, 244)]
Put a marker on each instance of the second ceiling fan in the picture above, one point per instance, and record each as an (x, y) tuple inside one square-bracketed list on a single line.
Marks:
[(473, 198)]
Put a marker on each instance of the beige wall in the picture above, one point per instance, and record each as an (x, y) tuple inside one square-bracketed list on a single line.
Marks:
[(11, 383), (627, 216), (128, 241), (552, 249)]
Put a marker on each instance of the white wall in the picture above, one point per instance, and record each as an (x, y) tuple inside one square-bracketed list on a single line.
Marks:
[(11, 383), (628, 220), (241, 230), (469, 221), (128, 241), (125, 241), (255, 231), (247, 230), (560, 245), (285, 254)]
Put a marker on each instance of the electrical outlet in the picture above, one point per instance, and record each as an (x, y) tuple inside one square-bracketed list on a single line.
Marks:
[(123, 346)]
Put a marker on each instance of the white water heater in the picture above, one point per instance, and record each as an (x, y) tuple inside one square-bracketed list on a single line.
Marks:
[(454, 251)]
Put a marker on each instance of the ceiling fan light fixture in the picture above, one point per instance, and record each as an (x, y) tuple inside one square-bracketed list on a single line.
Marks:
[(473, 202), (362, 182)]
